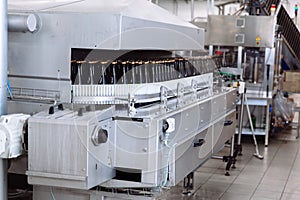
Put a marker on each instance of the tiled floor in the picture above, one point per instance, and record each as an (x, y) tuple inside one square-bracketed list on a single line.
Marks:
[(277, 176)]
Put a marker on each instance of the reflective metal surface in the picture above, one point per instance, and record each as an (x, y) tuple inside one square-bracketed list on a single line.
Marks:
[(225, 31)]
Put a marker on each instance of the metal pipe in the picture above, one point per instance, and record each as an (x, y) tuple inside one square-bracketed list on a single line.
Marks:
[(23, 23), (268, 122), (239, 60), (255, 71), (3, 90), (211, 50), (212, 7), (276, 64), (3, 177), (278, 56), (192, 9), (3, 57), (43, 100), (208, 7), (240, 127), (244, 64), (232, 147)]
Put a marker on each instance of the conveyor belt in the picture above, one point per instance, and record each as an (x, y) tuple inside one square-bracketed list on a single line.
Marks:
[(290, 32)]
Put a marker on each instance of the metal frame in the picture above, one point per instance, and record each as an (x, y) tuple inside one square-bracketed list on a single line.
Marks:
[(3, 87)]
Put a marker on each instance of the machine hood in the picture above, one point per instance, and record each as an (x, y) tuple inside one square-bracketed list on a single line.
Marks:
[(138, 20), (141, 9), (97, 26)]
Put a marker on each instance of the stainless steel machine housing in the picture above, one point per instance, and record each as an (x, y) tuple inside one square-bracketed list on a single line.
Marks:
[(79, 147)]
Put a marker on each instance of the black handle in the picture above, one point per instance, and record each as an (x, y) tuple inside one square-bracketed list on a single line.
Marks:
[(165, 126), (228, 122), (199, 143), (51, 109)]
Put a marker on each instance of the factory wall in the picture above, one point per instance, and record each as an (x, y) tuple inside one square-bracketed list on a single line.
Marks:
[(183, 8)]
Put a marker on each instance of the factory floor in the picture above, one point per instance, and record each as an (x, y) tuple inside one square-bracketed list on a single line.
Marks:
[(277, 176)]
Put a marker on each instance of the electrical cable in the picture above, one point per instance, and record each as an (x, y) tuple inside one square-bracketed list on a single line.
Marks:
[(167, 170), (9, 90), (14, 195)]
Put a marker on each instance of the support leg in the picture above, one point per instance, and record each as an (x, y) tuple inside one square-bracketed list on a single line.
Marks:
[(233, 153), (241, 116), (188, 183), (231, 159), (229, 163)]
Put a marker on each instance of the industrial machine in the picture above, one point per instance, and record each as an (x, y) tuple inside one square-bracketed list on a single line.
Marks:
[(247, 53), (258, 45), (120, 99)]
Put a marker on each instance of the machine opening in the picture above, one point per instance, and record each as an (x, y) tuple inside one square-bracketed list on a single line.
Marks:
[(124, 174), (102, 67)]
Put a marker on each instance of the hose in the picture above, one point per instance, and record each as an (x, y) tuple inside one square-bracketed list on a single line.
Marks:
[(167, 171)]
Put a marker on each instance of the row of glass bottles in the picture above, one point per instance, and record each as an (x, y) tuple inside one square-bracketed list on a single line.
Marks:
[(134, 72)]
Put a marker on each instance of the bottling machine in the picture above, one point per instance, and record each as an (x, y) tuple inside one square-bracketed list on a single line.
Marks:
[(247, 51), (120, 97)]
